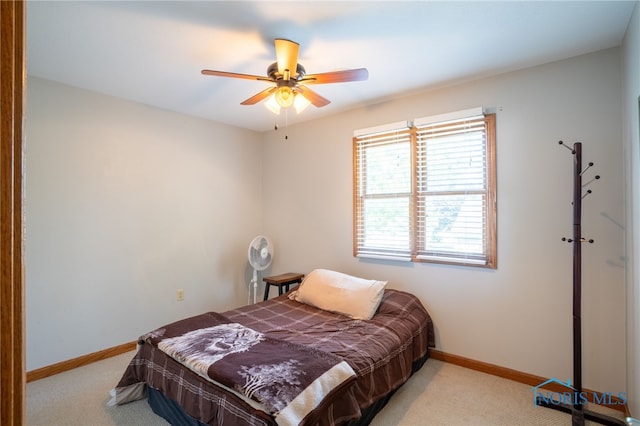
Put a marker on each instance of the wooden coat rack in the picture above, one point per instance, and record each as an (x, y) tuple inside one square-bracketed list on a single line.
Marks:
[(578, 413)]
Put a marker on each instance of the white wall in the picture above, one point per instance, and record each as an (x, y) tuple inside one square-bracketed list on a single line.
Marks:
[(631, 130), (124, 205), (518, 316)]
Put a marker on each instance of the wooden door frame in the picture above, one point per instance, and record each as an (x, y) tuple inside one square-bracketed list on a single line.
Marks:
[(12, 311)]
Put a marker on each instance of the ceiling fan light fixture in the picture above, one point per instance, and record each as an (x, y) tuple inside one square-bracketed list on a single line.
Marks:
[(300, 103), (284, 96), (272, 105)]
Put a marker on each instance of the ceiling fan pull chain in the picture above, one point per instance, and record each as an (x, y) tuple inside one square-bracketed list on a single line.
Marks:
[(286, 123)]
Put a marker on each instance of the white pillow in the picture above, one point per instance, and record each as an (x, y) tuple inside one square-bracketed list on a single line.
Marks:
[(333, 291)]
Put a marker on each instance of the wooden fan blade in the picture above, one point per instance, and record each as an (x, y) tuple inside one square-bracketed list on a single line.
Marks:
[(312, 96), (235, 75), (258, 97), (357, 74), (287, 57)]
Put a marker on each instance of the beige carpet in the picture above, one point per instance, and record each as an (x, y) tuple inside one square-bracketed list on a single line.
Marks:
[(439, 394), (446, 394)]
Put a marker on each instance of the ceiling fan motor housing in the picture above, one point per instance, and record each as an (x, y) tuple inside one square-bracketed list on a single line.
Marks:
[(272, 72)]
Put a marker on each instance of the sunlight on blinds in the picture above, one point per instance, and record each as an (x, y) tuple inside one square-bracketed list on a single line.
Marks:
[(451, 189), (383, 198), (426, 191)]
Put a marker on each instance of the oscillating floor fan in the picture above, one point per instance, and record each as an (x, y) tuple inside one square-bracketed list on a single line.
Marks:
[(260, 257)]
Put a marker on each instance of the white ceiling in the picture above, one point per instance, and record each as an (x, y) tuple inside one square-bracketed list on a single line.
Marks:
[(153, 51)]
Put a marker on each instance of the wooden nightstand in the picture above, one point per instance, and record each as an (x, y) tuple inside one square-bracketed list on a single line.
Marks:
[(282, 280)]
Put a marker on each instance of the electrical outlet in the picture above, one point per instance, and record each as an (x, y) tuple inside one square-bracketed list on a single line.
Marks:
[(180, 295)]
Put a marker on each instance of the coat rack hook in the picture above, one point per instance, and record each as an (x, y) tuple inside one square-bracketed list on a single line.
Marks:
[(596, 177), (587, 193), (573, 151), (586, 168)]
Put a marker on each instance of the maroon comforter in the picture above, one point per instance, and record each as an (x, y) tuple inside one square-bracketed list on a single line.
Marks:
[(382, 352)]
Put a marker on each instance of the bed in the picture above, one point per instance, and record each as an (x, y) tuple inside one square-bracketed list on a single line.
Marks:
[(347, 366)]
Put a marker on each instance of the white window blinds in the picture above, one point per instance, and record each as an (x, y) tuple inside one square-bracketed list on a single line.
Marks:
[(383, 194), (427, 192), (453, 191)]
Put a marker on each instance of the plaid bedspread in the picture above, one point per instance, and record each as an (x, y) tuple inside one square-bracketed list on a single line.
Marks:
[(288, 380), (381, 352)]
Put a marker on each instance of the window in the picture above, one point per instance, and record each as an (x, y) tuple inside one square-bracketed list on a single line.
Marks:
[(426, 191)]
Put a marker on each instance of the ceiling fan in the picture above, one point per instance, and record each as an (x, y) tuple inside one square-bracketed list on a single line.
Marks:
[(290, 80)]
